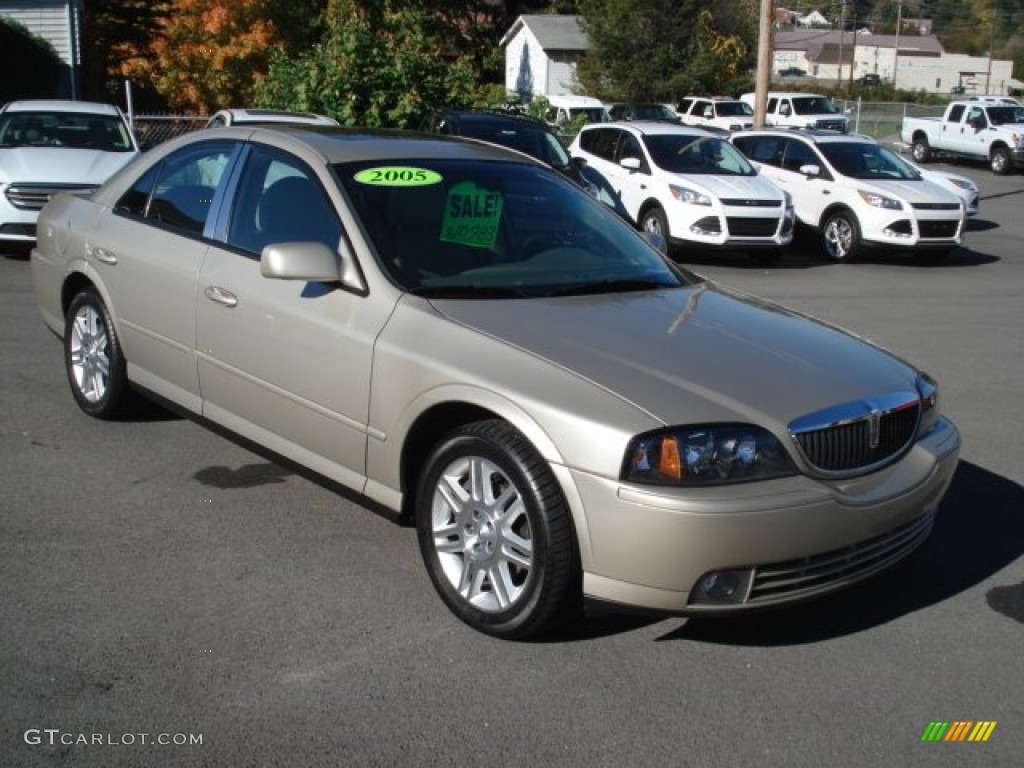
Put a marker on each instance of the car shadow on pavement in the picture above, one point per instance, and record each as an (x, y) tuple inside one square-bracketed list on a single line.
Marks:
[(978, 531)]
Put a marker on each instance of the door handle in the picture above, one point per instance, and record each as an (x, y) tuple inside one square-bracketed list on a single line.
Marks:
[(100, 254), (221, 296)]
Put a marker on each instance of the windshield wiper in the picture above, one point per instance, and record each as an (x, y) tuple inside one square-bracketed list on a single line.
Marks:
[(612, 286)]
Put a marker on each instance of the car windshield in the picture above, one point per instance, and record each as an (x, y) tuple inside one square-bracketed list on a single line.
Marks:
[(482, 230), (813, 105), (860, 160), (1005, 115), (535, 142), (733, 109), (685, 153), (71, 130)]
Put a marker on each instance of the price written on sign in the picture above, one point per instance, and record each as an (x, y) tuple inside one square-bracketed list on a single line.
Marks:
[(472, 216)]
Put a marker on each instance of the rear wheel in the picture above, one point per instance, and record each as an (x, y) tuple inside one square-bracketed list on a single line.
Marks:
[(93, 359), (920, 150), (999, 162), (841, 236), (495, 534)]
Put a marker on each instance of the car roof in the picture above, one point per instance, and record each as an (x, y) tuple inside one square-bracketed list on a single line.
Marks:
[(61, 105), (651, 127), (815, 135), (494, 118), (337, 144)]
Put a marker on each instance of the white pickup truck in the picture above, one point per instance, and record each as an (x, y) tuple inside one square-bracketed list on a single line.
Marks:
[(993, 132), (794, 109)]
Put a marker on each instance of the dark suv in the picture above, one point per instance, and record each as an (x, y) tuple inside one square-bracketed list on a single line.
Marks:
[(532, 137)]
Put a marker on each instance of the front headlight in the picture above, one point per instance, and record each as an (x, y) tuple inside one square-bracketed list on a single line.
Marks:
[(705, 454), (880, 201), (963, 184), (929, 391), (686, 195)]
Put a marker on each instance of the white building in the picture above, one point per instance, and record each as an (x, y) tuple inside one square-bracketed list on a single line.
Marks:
[(541, 52), (59, 22), (923, 64)]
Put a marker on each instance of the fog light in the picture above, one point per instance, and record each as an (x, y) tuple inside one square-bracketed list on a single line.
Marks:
[(723, 587), (709, 225)]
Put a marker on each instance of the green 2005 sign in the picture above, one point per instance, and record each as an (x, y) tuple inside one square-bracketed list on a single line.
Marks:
[(398, 176)]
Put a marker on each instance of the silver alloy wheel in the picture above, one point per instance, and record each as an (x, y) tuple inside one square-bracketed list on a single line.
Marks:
[(481, 533), (839, 237), (1000, 161), (652, 223), (90, 353)]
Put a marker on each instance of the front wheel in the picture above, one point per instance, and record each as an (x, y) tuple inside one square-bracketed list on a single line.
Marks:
[(841, 236), (654, 220), (495, 534), (920, 150), (93, 359), (999, 162)]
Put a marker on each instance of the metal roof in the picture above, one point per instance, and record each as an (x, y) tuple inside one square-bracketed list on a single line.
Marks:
[(554, 32)]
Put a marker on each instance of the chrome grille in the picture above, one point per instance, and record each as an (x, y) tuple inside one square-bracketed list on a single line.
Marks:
[(858, 436), (33, 197), (842, 566), (746, 227)]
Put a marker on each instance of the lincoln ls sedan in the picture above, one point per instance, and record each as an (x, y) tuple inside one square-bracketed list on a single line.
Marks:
[(459, 334)]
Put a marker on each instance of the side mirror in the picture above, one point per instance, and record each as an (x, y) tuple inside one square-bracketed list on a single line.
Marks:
[(579, 162), (630, 163), (810, 170)]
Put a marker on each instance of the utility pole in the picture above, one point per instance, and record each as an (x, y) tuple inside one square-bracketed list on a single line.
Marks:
[(765, 60), (896, 55), (842, 40)]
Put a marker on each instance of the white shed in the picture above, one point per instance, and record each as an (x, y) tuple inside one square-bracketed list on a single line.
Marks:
[(541, 52)]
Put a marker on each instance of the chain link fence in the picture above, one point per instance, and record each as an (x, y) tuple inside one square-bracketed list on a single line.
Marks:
[(882, 120), (156, 129)]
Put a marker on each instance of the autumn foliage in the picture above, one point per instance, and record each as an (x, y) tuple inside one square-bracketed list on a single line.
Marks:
[(206, 54)]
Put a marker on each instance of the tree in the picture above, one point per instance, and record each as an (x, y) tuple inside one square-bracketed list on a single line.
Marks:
[(659, 50), (38, 66), (206, 54), (115, 31), (380, 63)]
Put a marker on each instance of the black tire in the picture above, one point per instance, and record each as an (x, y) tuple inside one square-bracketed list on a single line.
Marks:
[(502, 556), (93, 359), (1000, 162), (840, 236), (920, 150), (654, 220)]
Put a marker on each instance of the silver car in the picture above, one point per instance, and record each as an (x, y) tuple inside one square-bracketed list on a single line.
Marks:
[(465, 337)]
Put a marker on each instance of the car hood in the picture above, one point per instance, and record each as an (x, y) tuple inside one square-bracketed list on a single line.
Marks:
[(923, 191), (693, 354), (729, 187), (60, 164)]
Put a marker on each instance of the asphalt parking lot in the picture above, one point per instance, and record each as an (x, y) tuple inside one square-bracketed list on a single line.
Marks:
[(171, 597)]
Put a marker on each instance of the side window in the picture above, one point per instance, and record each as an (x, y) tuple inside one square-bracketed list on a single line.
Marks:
[(956, 113), (772, 104), (799, 154), (785, 109), (763, 149), (684, 106), (186, 186), (629, 147), (600, 142), (280, 200), (135, 201)]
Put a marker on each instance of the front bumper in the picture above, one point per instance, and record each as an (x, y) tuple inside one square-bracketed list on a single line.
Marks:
[(649, 548), (729, 227)]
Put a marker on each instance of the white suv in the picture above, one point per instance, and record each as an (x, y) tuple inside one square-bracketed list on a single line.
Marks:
[(856, 192), (716, 112), (687, 184)]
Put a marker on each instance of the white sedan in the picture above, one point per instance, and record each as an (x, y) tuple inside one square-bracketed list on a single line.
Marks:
[(54, 146)]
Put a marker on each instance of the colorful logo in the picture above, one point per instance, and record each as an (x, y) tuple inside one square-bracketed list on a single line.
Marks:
[(958, 730)]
